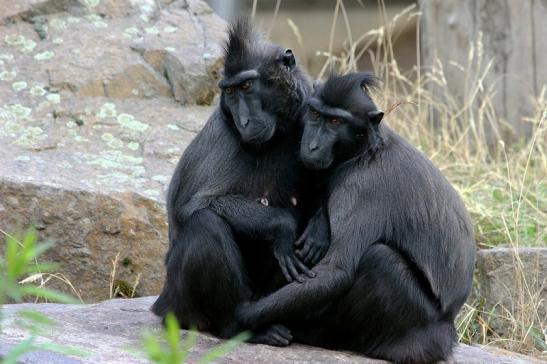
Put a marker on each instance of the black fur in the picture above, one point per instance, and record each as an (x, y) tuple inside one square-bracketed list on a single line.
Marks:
[(231, 200), (401, 259)]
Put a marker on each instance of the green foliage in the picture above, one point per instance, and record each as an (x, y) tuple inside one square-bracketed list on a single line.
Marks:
[(169, 349), (19, 267), (20, 260)]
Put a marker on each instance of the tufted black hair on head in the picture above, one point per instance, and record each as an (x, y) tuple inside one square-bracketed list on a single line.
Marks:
[(337, 88), (350, 92), (244, 41)]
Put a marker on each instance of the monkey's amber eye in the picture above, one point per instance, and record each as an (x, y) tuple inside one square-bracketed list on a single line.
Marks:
[(314, 114), (228, 90), (334, 121), (246, 85)]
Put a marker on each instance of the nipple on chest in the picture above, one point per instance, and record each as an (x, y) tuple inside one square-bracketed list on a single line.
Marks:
[(264, 201)]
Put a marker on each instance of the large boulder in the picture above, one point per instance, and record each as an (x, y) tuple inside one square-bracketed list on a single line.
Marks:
[(97, 189), (111, 332), (98, 100)]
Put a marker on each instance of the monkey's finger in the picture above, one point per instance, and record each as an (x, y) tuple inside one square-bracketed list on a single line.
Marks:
[(283, 331), (283, 266), (308, 258), (317, 256), (292, 269), (302, 239), (304, 251), (279, 340), (300, 255), (304, 269)]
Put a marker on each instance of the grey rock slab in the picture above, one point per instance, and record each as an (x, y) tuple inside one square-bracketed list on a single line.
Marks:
[(188, 61), (111, 332), (97, 144), (95, 111), (508, 278), (18, 10), (27, 9), (100, 60), (91, 175), (172, 50)]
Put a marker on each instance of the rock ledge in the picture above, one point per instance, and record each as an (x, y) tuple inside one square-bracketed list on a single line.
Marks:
[(109, 330)]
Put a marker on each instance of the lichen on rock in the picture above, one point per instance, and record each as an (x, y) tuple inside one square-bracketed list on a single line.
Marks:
[(86, 150)]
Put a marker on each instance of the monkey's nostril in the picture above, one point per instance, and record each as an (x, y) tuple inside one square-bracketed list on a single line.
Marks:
[(313, 146), (244, 122)]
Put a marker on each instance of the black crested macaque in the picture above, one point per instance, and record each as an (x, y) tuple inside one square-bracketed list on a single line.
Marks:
[(233, 200), (402, 251)]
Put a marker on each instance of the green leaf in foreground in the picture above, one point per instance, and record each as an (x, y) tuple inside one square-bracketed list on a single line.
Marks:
[(49, 294), (225, 348), (175, 350), (36, 317), (19, 269), (17, 351), (61, 349)]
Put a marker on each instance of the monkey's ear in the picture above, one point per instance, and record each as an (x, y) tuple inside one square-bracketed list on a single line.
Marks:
[(288, 59), (375, 116)]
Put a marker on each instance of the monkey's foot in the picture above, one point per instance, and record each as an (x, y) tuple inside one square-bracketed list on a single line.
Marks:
[(274, 335)]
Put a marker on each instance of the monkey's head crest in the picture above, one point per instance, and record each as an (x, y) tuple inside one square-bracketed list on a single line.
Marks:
[(242, 47), (350, 92)]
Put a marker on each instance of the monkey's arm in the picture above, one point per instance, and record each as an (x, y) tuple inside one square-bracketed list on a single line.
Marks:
[(335, 273), (315, 240), (254, 220), (296, 300)]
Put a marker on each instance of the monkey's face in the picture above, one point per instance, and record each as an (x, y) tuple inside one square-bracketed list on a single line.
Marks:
[(322, 134), (334, 133), (257, 98), (245, 103)]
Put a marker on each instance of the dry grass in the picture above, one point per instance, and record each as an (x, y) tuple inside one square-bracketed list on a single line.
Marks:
[(117, 288), (503, 185), (41, 279), (120, 288)]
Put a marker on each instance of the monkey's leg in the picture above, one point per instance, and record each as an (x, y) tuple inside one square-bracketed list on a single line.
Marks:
[(297, 301), (388, 313), (206, 280), (205, 276)]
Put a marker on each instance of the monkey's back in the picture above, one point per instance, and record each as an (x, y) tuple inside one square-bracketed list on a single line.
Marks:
[(417, 212)]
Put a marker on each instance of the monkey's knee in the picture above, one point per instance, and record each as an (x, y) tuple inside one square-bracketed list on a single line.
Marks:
[(390, 276)]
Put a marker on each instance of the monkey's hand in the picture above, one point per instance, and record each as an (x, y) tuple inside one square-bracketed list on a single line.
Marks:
[(314, 241), (247, 314), (293, 269), (285, 233)]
